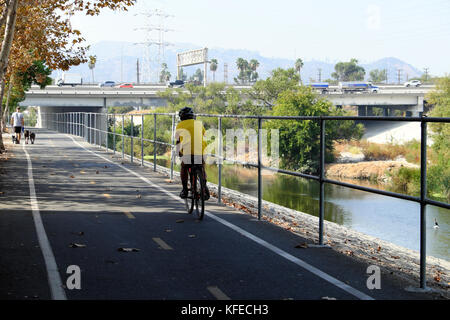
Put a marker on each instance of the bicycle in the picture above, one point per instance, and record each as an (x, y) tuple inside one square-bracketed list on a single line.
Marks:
[(196, 191)]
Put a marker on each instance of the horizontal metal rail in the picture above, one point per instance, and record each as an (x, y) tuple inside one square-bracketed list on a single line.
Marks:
[(81, 124)]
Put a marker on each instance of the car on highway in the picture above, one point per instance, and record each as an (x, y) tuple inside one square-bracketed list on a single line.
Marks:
[(413, 83), (176, 84), (126, 85), (107, 84)]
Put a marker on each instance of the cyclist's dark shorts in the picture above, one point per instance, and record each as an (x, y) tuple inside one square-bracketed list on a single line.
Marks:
[(17, 129)]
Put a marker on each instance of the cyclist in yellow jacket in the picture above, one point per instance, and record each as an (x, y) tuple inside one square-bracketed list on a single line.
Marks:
[(189, 136)]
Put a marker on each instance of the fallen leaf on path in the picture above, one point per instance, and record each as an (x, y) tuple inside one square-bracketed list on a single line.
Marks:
[(72, 177), (83, 172), (128, 250), (77, 245), (437, 278), (302, 246), (138, 196), (97, 172), (107, 195), (92, 182), (395, 257), (179, 221), (168, 230), (379, 249)]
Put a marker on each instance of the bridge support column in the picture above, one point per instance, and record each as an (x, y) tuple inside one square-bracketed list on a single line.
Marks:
[(386, 112), (362, 111)]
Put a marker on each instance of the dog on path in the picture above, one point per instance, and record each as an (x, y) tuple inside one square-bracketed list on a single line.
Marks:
[(27, 136), (32, 137)]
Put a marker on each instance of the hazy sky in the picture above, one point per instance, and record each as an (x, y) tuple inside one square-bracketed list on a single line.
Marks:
[(415, 31)]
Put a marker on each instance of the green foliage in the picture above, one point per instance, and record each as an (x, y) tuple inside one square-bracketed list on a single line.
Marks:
[(38, 73), (266, 92), (300, 139), (164, 75), (378, 76), (348, 71), (247, 71), (120, 110)]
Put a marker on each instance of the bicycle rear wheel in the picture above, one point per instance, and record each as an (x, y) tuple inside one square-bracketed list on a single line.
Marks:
[(200, 194)]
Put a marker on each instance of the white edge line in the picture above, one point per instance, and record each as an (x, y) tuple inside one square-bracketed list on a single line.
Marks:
[(54, 279), (250, 236)]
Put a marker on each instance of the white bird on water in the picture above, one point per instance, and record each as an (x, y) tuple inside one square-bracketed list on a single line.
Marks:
[(436, 225)]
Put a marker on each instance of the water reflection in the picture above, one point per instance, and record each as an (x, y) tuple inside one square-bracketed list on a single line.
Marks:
[(390, 219)]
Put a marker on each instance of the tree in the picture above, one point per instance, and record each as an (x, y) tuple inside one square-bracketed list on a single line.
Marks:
[(298, 68), (197, 77), (348, 71), (299, 140), (92, 62), (40, 30), (266, 92), (253, 65), (439, 177), (378, 76), (164, 75), (213, 68), (243, 67)]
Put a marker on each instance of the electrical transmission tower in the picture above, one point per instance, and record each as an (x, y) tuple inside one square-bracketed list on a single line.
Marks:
[(155, 30)]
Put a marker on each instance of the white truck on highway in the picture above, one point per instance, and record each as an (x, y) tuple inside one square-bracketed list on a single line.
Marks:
[(69, 79), (351, 87)]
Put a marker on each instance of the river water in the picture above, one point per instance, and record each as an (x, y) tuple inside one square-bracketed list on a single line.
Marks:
[(390, 219)]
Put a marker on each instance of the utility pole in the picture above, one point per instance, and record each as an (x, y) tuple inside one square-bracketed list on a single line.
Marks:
[(387, 76), (137, 71), (426, 74), (320, 75)]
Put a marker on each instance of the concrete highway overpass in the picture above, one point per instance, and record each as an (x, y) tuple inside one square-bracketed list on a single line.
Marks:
[(94, 99)]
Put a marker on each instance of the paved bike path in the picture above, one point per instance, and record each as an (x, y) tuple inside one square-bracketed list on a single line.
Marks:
[(85, 199)]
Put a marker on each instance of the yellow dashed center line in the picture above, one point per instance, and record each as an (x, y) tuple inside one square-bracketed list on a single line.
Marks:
[(162, 244), (217, 293), (129, 215)]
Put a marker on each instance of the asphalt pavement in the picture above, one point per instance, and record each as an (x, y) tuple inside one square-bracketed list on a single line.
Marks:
[(126, 230)]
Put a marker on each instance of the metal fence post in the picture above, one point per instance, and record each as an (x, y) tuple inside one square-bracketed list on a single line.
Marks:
[(132, 140), (219, 137), (321, 182), (172, 149), (154, 143), (142, 140), (423, 206), (123, 136), (95, 129), (107, 131), (259, 167), (114, 136)]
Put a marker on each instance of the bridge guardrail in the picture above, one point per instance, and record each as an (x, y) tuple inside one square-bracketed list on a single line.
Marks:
[(84, 124)]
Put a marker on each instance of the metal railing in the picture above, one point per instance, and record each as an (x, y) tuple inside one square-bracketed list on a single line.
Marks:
[(88, 126)]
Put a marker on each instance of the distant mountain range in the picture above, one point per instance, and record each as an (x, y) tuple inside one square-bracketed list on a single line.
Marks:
[(118, 61)]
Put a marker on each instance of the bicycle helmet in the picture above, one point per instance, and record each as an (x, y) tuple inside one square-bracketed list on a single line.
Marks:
[(186, 113)]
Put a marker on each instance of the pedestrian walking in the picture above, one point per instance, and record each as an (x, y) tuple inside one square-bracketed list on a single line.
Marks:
[(18, 123)]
